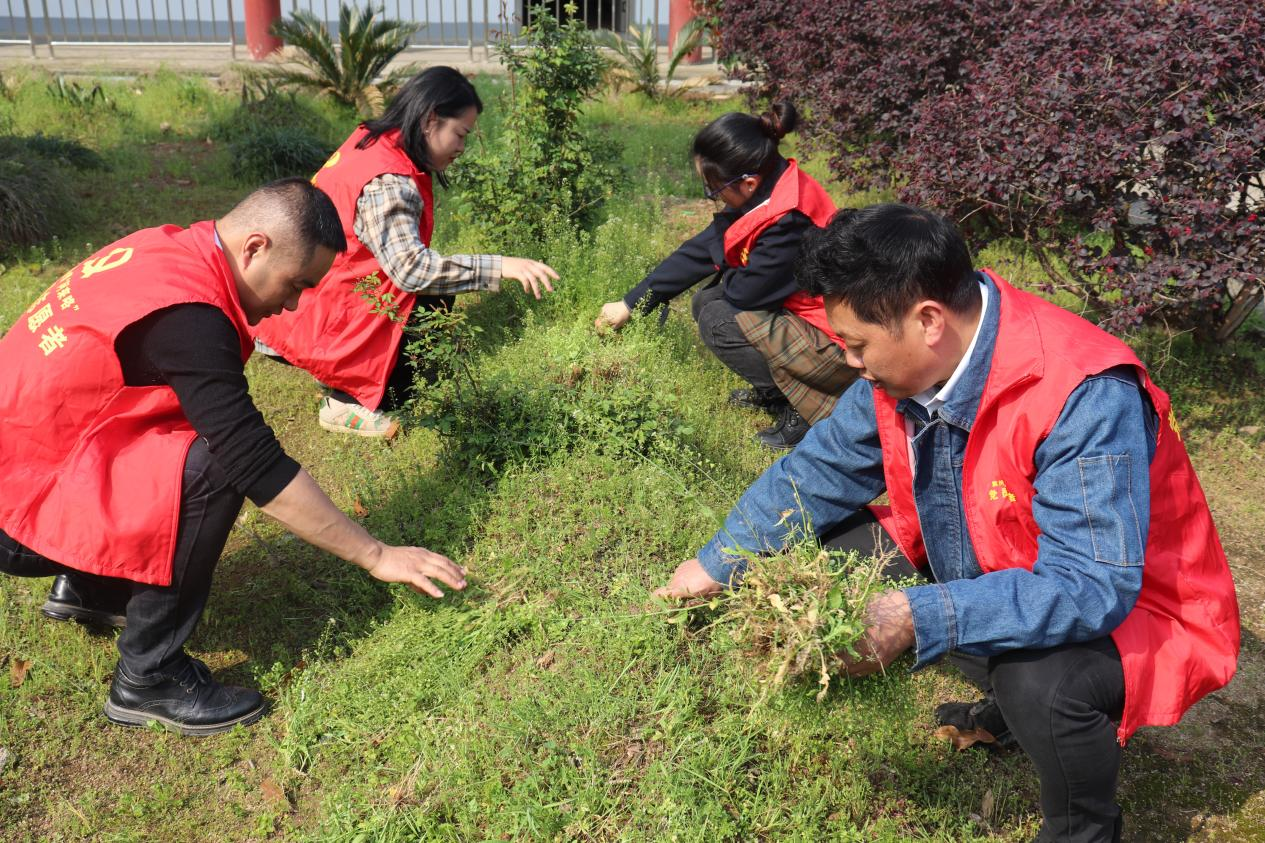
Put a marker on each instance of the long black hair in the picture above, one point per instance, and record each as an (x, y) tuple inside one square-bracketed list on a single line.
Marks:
[(441, 91), (737, 143)]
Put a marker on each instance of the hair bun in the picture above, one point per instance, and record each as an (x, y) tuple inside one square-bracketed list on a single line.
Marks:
[(779, 121)]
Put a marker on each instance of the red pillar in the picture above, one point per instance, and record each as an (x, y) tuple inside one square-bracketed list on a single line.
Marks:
[(259, 17), (680, 13)]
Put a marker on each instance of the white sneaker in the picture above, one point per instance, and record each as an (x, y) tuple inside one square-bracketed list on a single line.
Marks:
[(342, 417)]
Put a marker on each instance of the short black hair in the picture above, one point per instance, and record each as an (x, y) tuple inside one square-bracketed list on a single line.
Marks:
[(304, 209), (883, 259), (440, 90)]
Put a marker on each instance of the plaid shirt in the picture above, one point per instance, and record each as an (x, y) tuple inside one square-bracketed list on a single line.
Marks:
[(386, 222)]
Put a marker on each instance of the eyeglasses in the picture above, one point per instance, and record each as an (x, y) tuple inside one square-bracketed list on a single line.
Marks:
[(712, 194)]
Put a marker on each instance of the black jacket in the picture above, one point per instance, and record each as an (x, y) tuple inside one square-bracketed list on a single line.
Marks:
[(763, 284)]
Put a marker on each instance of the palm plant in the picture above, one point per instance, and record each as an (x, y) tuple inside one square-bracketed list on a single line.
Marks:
[(639, 57), (366, 44)]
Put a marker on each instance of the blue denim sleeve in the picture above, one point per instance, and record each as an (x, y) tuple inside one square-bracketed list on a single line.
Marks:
[(1093, 506), (833, 472)]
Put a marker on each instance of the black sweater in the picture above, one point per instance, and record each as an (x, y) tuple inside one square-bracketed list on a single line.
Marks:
[(194, 349), (763, 284)]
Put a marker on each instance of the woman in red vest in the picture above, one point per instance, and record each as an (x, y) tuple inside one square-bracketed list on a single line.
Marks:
[(348, 332), (752, 316)]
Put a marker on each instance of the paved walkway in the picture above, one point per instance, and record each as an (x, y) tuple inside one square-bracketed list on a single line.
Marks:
[(215, 59)]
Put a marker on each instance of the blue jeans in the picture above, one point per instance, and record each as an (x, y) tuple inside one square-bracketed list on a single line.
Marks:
[(1061, 704)]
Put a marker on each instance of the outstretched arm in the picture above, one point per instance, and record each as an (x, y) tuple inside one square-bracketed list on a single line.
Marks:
[(305, 510), (835, 471)]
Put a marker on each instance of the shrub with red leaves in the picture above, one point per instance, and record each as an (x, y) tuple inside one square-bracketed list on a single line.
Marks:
[(857, 69), (1126, 137)]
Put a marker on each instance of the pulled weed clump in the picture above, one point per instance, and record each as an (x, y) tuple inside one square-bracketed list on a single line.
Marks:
[(801, 611)]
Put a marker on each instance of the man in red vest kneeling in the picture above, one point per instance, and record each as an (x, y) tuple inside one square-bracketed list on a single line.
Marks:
[(1038, 483), (131, 441)]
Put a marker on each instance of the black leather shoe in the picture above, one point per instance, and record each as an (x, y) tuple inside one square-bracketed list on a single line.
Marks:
[(74, 599), (756, 399), (189, 702), (790, 429)]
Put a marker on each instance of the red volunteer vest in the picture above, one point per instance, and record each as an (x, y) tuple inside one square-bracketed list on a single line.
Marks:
[(335, 333), (92, 468), (1181, 640), (794, 191)]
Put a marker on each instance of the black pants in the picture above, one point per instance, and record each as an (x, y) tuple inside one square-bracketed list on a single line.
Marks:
[(404, 373), (720, 333), (1061, 704), (160, 619)]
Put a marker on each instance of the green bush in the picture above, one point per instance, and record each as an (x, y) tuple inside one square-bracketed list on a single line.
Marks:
[(35, 196), (488, 421), (263, 104), (263, 153), (543, 166)]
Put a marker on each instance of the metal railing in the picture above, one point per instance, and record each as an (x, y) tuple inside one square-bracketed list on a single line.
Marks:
[(150, 22), (442, 23)]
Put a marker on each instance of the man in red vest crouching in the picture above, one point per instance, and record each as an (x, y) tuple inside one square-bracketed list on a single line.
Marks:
[(1037, 481), (131, 440)]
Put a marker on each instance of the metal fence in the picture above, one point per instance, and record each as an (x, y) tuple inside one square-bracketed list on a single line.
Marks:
[(441, 23)]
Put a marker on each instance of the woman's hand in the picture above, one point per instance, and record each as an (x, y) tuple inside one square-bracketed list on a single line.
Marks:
[(533, 275), (614, 315)]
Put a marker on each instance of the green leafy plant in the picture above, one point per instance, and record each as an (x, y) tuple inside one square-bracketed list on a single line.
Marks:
[(267, 152), (346, 72), (638, 54), (263, 102), (487, 422), (74, 95), (543, 168), (35, 191)]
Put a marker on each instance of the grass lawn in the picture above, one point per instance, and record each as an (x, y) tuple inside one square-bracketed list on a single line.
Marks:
[(554, 700)]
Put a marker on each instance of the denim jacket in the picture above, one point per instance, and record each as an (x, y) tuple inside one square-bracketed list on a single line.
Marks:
[(1088, 571)]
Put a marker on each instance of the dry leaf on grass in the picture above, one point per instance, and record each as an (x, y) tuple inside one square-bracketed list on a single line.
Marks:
[(273, 792), (18, 669), (963, 739)]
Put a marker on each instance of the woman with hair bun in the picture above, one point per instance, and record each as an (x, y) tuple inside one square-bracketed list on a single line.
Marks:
[(752, 315)]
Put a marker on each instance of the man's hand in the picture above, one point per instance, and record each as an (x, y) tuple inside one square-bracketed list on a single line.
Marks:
[(415, 567), (689, 580), (533, 275), (614, 315), (889, 632)]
